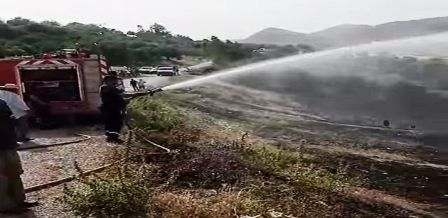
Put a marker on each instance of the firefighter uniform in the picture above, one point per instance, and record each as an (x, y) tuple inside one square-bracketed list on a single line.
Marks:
[(112, 108), (12, 194), (20, 112)]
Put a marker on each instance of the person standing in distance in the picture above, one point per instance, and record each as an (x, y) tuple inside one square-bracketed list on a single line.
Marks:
[(141, 85), (134, 85)]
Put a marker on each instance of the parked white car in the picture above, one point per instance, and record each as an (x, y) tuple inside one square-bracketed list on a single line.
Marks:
[(167, 71), (147, 70), (121, 70)]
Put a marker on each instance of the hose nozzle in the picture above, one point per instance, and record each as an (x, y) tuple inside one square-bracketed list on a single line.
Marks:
[(153, 91)]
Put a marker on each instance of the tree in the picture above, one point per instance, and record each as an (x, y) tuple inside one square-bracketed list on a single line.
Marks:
[(50, 23), (159, 29), (169, 53), (21, 36), (140, 28), (18, 21), (116, 52), (6, 31), (214, 39), (2, 52), (14, 51), (224, 52)]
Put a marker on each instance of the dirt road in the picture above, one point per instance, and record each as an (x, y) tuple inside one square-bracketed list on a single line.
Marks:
[(49, 164)]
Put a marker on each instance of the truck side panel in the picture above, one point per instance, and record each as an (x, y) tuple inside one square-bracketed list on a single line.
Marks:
[(92, 82), (8, 72)]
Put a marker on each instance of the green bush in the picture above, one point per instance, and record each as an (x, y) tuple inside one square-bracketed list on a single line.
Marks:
[(271, 158), (104, 198), (320, 180), (283, 162), (154, 114)]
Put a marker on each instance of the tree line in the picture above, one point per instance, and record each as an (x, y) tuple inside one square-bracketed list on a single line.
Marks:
[(148, 46)]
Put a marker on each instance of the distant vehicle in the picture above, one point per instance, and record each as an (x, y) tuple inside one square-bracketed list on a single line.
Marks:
[(147, 70), (167, 71), (121, 70), (202, 69)]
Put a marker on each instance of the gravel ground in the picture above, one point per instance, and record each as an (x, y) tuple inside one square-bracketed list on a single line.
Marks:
[(45, 165), (49, 164)]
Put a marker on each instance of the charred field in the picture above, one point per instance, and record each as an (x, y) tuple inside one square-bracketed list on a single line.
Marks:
[(241, 152), (395, 161)]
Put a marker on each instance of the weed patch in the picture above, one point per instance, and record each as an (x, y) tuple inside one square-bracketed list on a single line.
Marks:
[(226, 204), (112, 197), (210, 169), (154, 114), (270, 158)]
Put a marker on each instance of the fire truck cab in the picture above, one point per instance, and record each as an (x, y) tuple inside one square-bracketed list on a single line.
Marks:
[(68, 85)]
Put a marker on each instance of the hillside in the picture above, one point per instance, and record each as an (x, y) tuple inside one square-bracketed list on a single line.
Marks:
[(150, 46), (346, 34), (350, 34), (280, 36), (277, 36)]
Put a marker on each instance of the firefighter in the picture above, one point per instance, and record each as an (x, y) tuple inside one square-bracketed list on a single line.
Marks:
[(133, 83), (12, 194), (386, 123), (112, 108), (21, 111), (141, 85)]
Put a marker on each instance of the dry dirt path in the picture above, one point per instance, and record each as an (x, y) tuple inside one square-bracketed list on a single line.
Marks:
[(45, 165)]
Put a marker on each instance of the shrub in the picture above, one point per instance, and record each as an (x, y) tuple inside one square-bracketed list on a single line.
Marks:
[(290, 165), (188, 205), (291, 201), (318, 180), (176, 138), (209, 169), (153, 114), (113, 197), (270, 158)]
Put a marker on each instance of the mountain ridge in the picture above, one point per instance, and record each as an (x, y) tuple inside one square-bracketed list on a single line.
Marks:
[(350, 34)]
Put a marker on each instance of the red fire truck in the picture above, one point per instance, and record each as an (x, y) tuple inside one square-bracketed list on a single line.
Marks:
[(68, 84)]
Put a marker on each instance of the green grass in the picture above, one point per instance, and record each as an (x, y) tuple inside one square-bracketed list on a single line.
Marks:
[(270, 158), (154, 114), (105, 198)]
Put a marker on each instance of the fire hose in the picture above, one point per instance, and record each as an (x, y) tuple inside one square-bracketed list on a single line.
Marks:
[(93, 171), (65, 180), (37, 146)]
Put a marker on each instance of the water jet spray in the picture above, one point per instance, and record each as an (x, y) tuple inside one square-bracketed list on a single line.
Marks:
[(423, 46)]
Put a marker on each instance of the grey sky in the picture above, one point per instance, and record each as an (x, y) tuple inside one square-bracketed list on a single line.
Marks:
[(232, 19)]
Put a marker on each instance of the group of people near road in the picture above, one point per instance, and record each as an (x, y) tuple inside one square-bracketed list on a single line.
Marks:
[(138, 85), (14, 115)]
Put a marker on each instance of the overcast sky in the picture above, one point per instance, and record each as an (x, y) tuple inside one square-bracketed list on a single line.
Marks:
[(229, 19)]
